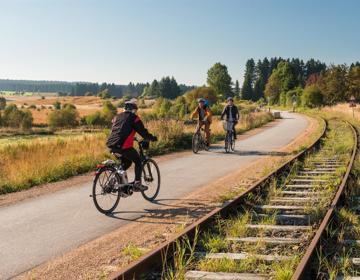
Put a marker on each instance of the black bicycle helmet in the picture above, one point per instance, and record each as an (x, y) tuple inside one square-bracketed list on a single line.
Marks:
[(202, 100)]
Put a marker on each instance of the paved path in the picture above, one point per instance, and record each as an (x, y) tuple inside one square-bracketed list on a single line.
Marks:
[(35, 230)]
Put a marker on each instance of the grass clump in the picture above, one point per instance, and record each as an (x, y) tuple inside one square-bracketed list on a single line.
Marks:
[(133, 252)]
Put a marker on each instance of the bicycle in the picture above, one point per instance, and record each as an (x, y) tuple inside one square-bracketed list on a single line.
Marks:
[(198, 140), (229, 137), (111, 181)]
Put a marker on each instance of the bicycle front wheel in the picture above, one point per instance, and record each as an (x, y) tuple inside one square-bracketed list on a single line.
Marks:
[(227, 142), (196, 143), (232, 142), (151, 178), (105, 195)]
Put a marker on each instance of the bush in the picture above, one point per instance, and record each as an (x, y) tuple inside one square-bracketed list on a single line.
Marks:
[(2, 103), (66, 117), (95, 119), (57, 105), (217, 109), (294, 94), (312, 97), (102, 118), (104, 94), (13, 117), (32, 106), (179, 108)]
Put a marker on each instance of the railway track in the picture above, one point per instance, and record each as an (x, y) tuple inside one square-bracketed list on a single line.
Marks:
[(271, 231)]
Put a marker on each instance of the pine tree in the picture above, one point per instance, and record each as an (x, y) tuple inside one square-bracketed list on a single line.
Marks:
[(249, 76), (237, 89)]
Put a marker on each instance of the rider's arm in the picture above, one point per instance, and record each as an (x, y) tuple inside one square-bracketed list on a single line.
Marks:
[(237, 113), (140, 128), (223, 113), (194, 114), (208, 115)]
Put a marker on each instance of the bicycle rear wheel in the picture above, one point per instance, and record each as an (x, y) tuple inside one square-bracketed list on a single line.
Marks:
[(196, 141), (105, 196), (151, 178)]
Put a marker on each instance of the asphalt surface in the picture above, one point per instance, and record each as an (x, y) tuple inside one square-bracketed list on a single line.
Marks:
[(36, 230)]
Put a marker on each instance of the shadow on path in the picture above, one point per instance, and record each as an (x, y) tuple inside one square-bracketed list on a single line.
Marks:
[(168, 214)]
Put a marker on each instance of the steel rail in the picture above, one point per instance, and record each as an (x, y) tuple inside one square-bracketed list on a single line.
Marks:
[(303, 270), (159, 255)]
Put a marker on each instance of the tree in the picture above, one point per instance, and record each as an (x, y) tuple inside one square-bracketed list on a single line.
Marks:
[(262, 70), (168, 88), (353, 82), (312, 97), (219, 79), (204, 92), (313, 66), (247, 92), (237, 89), (281, 80), (333, 84), (154, 89), (2, 103)]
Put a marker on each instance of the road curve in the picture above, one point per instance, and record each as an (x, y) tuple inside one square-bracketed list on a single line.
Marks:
[(36, 230)]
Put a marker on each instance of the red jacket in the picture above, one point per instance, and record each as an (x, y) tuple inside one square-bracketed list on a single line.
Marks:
[(124, 127)]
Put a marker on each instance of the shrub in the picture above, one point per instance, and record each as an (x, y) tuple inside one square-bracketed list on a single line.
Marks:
[(293, 95), (57, 105), (2, 103), (32, 106), (13, 117), (104, 94), (95, 119), (121, 103), (66, 117), (102, 118), (108, 111), (312, 97), (163, 110), (216, 109), (69, 105)]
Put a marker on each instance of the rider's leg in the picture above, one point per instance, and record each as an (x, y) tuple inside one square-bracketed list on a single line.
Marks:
[(234, 129), (119, 153), (133, 156), (207, 132)]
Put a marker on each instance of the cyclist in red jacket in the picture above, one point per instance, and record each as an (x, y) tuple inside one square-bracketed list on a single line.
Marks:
[(121, 140)]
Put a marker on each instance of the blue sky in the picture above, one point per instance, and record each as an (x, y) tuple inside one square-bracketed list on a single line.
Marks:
[(139, 40)]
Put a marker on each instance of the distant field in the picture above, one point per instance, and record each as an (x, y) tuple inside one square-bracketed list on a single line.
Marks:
[(26, 93), (85, 104)]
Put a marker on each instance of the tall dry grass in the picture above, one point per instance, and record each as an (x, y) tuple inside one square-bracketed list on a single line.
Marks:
[(36, 161)]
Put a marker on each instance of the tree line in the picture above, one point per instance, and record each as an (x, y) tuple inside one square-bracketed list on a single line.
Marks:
[(257, 75), (165, 87)]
